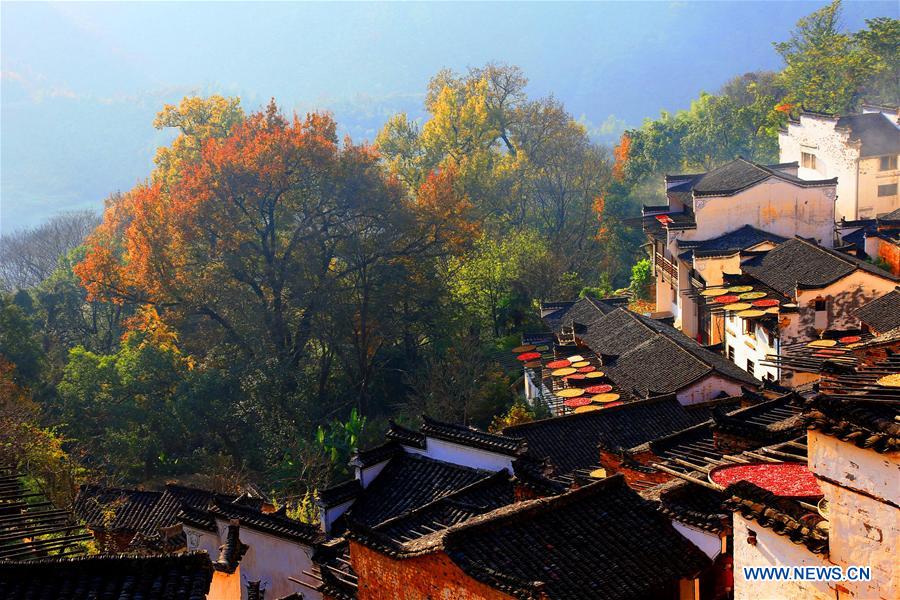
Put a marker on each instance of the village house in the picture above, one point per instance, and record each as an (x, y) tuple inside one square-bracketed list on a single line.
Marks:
[(712, 218), (875, 239), (854, 453), (792, 294), (860, 150), (635, 356), (601, 540)]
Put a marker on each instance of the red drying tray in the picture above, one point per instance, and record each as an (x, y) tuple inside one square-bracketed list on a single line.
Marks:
[(576, 402), (727, 299), (598, 389), (588, 369), (558, 364), (528, 356), (850, 339), (575, 376), (792, 480), (765, 302)]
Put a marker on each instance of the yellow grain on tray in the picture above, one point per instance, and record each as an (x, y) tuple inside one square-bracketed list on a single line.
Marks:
[(575, 358), (588, 408), (752, 295), (594, 374), (738, 306), (563, 372), (747, 314), (570, 393), (892, 380), (740, 289), (597, 473), (822, 344), (604, 398), (712, 293), (581, 363)]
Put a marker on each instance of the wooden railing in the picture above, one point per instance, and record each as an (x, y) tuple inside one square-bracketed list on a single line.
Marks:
[(669, 271)]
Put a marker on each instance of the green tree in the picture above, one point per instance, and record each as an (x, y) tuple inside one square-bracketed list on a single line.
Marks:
[(826, 70)]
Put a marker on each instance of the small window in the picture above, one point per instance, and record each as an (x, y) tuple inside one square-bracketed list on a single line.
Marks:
[(889, 189), (821, 305), (751, 367), (888, 163), (749, 326), (807, 160), (729, 352)]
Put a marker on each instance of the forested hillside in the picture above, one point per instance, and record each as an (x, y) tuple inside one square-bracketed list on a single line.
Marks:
[(271, 295)]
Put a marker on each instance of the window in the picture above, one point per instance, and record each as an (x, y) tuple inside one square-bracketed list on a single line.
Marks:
[(751, 367), (889, 189), (888, 163), (749, 327), (821, 305), (807, 160), (729, 351)]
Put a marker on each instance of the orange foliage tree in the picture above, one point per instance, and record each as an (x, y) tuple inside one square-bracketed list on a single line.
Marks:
[(274, 240)]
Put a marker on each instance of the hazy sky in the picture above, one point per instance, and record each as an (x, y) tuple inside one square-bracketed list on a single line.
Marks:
[(82, 82)]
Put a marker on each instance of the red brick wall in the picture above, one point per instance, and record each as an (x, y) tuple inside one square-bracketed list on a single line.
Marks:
[(890, 254), (429, 576)]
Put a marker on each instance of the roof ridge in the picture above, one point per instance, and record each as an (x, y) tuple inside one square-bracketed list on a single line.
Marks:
[(598, 413)]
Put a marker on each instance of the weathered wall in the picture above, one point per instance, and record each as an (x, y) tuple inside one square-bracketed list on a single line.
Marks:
[(774, 205), (870, 177), (835, 157), (863, 495), (864, 532), (707, 389), (844, 297), (269, 559), (772, 550), (430, 576), (225, 586), (889, 253)]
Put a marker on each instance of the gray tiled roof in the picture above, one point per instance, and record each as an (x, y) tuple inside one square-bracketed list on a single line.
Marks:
[(877, 135), (802, 263), (734, 177), (882, 314)]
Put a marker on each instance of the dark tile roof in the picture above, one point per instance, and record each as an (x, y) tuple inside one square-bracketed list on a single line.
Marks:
[(407, 482), (691, 504), (469, 436), (734, 177), (582, 312), (731, 242), (882, 314), (273, 523), (782, 515), (769, 422), (123, 577), (891, 217), (115, 509), (478, 498), (877, 134), (376, 454), (340, 493), (571, 442), (866, 424), (405, 436), (644, 356), (802, 263), (602, 540)]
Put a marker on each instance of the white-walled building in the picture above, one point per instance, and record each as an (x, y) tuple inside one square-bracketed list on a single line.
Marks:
[(860, 150), (819, 289), (737, 207), (854, 453)]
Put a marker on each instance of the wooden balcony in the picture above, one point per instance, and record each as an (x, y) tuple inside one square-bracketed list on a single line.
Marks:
[(668, 269)]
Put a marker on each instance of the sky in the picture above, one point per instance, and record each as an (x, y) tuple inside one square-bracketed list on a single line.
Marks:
[(81, 82)]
